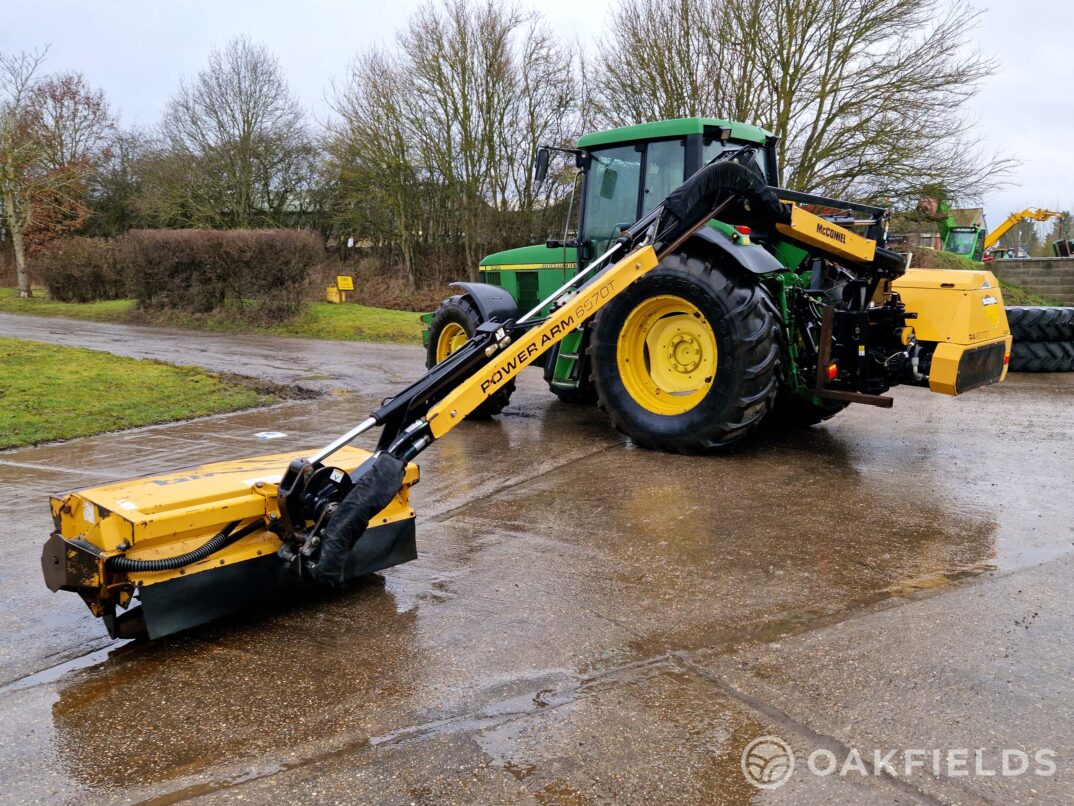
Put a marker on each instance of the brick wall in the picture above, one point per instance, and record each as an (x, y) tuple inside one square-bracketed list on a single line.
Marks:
[(1050, 277)]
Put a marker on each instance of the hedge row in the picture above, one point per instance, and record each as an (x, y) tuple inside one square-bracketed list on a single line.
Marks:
[(80, 270), (264, 273)]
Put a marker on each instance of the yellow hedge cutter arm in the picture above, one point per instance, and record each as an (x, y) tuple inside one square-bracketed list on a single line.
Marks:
[(193, 545)]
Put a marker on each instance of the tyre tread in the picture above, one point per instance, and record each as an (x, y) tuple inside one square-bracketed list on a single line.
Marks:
[(1042, 356), (1044, 323), (758, 353)]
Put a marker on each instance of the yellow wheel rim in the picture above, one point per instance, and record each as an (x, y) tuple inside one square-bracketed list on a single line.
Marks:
[(451, 338), (667, 355)]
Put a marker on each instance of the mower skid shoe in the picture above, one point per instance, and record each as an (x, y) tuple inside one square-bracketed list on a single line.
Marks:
[(376, 482)]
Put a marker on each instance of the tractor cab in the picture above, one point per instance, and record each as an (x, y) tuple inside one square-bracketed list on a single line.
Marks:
[(625, 178), (622, 174), (966, 241)]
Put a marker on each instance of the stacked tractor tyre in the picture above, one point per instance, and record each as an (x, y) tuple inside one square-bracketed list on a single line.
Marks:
[(1043, 339)]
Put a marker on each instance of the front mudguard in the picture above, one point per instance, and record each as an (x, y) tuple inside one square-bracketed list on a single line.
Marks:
[(492, 302)]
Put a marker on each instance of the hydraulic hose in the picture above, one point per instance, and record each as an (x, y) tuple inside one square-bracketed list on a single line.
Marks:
[(225, 537)]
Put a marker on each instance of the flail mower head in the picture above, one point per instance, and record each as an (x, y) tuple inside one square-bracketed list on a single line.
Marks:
[(155, 555)]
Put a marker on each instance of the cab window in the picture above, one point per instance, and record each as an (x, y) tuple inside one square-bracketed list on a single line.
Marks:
[(614, 196), (962, 242), (611, 194), (663, 171)]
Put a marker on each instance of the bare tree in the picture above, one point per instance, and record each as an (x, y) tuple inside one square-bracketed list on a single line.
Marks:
[(459, 88), (875, 108), (20, 156), (434, 143), (373, 158), (51, 133), (236, 149), (703, 64), (117, 185), (546, 107), (867, 98), (72, 120)]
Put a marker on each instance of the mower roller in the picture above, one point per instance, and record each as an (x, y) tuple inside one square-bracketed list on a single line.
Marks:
[(156, 555)]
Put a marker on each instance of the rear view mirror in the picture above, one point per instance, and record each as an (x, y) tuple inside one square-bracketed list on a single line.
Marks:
[(607, 184), (540, 170)]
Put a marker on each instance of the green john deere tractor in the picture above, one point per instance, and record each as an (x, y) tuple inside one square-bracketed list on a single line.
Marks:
[(727, 303), (738, 325)]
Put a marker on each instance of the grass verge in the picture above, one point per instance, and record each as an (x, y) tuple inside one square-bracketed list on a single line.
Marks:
[(1016, 295), (113, 310), (320, 320), (49, 392)]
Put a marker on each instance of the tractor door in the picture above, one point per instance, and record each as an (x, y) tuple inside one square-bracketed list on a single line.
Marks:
[(622, 183), (615, 194)]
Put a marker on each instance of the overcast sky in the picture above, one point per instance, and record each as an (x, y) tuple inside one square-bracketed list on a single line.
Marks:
[(138, 51)]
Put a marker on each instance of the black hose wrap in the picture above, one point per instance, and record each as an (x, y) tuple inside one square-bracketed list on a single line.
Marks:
[(714, 183), (225, 537), (376, 483)]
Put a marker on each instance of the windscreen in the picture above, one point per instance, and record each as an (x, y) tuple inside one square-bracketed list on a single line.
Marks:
[(961, 242)]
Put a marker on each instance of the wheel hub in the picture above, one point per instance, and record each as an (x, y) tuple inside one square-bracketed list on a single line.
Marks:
[(667, 355), (451, 338), (684, 353)]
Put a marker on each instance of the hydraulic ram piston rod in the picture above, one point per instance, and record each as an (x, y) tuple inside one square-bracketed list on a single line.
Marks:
[(343, 441)]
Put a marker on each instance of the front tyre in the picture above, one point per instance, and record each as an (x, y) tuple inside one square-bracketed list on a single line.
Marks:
[(454, 323), (689, 358)]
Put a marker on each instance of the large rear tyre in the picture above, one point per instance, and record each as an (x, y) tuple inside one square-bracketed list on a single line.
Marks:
[(689, 358), (1042, 356), (455, 322), (1041, 323)]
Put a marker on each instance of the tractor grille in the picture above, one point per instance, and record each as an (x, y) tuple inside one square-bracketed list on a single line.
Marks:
[(528, 291), (492, 277)]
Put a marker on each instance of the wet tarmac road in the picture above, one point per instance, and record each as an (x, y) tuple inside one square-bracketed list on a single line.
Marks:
[(587, 622)]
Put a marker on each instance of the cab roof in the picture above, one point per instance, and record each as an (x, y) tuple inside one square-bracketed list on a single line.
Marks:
[(671, 128)]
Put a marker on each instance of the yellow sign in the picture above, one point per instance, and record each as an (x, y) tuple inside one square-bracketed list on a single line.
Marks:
[(344, 283)]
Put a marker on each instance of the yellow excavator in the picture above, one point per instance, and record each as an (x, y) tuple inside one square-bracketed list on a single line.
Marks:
[(1029, 214), (155, 555)]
